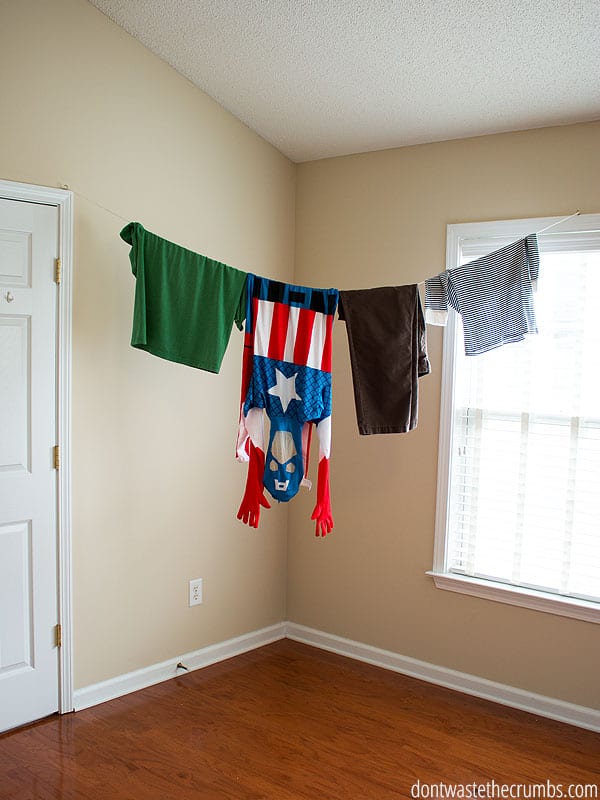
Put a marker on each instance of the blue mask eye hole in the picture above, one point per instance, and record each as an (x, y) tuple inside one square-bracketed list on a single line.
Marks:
[(290, 468), (273, 466)]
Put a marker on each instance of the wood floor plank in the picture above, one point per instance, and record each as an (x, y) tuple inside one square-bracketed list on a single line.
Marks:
[(289, 722)]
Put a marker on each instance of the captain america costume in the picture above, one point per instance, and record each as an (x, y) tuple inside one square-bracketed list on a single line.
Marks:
[(286, 374)]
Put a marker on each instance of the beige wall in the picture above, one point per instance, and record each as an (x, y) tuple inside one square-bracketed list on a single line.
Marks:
[(155, 487), (380, 219)]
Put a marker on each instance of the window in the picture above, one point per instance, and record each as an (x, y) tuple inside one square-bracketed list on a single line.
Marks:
[(518, 508)]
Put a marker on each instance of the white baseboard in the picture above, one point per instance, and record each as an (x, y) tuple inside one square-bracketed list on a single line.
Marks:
[(156, 673), (581, 716), (550, 707)]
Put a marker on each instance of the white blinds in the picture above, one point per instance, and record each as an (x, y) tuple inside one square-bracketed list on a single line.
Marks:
[(525, 467)]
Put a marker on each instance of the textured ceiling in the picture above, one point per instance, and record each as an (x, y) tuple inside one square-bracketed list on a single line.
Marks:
[(321, 78)]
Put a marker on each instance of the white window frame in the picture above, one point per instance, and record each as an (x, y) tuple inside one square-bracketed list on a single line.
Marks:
[(457, 236)]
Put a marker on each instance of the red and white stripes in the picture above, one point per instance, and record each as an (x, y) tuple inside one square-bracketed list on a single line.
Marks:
[(296, 335)]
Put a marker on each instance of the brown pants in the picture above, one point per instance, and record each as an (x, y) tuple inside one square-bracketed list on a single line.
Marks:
[(388, 354)]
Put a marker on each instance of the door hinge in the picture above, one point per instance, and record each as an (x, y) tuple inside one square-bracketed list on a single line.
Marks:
[(57, 457), (57, 270), (58, 632)]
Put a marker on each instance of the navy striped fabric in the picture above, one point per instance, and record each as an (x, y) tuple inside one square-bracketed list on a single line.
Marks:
[(493, 295), (323, 301)]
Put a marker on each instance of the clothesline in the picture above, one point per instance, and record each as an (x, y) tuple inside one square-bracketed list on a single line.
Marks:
[(543, 230), (94, 202), (558, 222), (420, 283)]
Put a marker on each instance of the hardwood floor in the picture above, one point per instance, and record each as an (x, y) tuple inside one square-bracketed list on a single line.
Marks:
[(288, 722)]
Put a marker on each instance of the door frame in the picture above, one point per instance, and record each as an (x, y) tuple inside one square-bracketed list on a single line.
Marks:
[(63, 200)]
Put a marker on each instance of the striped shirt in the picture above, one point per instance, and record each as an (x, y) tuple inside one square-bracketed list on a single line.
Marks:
[(493, 295)]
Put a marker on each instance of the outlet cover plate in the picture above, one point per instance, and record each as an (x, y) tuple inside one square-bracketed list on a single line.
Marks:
[(196, 592)]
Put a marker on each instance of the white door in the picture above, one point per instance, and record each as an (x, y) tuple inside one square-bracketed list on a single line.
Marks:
[(29, 678)]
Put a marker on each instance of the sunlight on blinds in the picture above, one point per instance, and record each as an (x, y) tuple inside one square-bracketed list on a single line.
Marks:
[(525, 481)]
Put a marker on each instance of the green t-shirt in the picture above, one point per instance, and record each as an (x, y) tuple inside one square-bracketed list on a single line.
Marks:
[(185, 303)]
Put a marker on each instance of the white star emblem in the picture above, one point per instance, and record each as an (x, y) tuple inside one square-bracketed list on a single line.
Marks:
[(284, 389)]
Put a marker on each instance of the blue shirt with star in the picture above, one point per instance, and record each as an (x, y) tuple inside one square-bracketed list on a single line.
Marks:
[(286, 389)]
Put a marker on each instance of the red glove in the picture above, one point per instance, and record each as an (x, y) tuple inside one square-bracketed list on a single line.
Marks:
[(254, 496), (322, 513)]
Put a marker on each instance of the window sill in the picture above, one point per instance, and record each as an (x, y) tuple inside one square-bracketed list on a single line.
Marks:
[(515, 596)]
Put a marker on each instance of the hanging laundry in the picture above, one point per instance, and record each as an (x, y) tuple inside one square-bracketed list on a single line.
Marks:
[(493, 295), (388, 354), (287, 373), (185, 303)]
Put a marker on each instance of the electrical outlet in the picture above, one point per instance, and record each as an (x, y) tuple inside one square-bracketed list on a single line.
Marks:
[(195, 592)]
